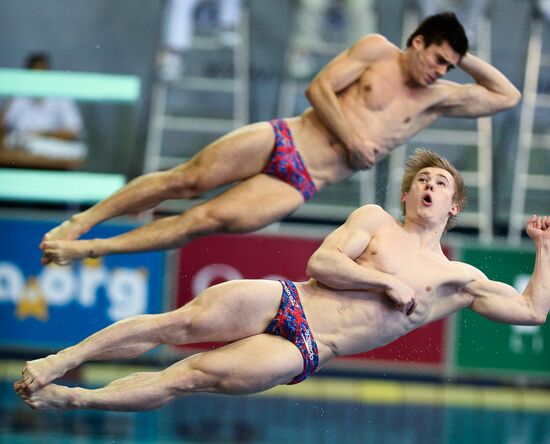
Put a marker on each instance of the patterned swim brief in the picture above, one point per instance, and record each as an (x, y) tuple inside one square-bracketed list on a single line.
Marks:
[(286, 163), (291, 323)]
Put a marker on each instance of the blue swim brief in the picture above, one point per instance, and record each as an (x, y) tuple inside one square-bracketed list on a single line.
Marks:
[(291, 323), (286, 163)]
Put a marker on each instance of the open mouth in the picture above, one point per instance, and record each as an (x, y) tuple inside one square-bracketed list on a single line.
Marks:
[(427, 200)]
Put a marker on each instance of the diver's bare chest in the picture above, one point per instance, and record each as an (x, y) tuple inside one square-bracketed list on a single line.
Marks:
[(420, 270), (383, 94)]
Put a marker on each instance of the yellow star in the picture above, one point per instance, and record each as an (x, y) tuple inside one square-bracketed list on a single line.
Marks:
[(92, 262), (33, 303)]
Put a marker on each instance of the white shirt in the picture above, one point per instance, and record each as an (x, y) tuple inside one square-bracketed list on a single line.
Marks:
[(48, 114)]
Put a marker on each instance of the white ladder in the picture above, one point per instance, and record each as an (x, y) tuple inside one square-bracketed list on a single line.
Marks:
[(527, 139), (480, 178), (237, 86)]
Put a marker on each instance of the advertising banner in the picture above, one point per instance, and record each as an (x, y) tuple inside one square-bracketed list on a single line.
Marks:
[(53, 306), (487, 346), (214, 259)]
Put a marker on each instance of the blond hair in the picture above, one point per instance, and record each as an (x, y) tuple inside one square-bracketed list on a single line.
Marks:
[(423, 158)]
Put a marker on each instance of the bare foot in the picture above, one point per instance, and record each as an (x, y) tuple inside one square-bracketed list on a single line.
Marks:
[(64, 252), (36, 374), (50, 397), (68, 230)]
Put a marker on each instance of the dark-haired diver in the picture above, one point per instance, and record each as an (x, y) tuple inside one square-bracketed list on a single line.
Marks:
[(370, 99)]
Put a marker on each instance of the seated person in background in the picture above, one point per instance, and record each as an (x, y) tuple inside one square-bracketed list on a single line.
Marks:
[(48, 127)]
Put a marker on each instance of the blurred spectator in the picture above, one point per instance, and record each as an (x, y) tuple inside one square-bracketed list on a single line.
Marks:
[(322, 23), (468, 12), (47, 127), (544, 8), (178, 29)]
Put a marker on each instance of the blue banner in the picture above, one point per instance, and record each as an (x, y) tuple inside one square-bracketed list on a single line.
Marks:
[(55, 306)]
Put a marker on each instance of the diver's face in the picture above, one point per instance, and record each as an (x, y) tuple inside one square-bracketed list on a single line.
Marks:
[(430, 197), (431, 62)]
